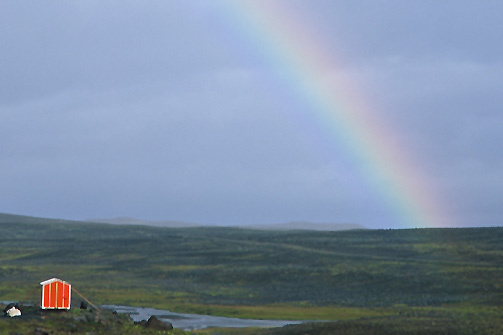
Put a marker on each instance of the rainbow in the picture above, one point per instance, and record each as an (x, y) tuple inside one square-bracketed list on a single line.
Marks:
[(282, 37)]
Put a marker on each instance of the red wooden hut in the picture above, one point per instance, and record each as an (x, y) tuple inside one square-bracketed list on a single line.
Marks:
[(56, 294)]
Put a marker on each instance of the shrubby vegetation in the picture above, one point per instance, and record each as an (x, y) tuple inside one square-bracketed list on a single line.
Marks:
[(209, 270)]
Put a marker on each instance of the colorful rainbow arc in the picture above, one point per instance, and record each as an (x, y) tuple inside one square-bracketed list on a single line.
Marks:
[(282, 36)]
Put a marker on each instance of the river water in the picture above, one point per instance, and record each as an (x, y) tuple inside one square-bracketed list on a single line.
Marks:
[(195, 321)]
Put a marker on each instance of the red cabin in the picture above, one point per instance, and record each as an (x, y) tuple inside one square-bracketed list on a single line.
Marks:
[(56, 294)]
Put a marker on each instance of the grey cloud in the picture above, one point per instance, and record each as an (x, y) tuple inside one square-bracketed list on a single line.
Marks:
[(122, 108)]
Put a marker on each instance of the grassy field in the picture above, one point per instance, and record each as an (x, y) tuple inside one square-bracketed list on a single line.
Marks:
[(434, 278)]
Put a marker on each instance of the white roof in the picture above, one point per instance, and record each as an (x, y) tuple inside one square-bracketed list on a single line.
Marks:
[(52, 280)]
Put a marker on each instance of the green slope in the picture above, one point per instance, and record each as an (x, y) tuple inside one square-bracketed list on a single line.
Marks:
[(407, 280), (422, 267)]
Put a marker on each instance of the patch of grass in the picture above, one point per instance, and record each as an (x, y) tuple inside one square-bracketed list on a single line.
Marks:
[(416, 321), (367, 277), (284, 312)]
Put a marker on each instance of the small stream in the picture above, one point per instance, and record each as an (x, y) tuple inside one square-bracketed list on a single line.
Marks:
[(195, 321)]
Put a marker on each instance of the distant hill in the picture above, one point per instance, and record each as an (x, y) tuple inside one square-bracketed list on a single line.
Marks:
[(297, 225), (302, 225), (134, 221), (14, 218)]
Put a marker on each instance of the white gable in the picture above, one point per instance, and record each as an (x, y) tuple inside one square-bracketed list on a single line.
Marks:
[(52, 280)]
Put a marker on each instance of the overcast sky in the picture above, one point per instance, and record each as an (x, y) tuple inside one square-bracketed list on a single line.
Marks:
[(171, 110)]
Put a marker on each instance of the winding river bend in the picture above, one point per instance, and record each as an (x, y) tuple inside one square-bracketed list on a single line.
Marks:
[(195, 321)]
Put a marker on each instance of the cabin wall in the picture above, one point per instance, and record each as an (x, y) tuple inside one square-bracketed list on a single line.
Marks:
[(56, 295)]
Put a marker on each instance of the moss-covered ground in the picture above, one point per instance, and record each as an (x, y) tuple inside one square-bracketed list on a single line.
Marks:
[(400, 280)]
